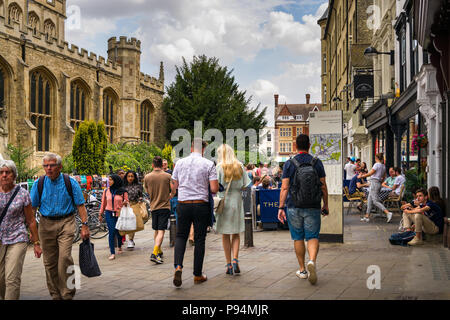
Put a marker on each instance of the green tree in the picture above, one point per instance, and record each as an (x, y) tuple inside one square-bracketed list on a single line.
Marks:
[(20, 155), (167, 154), (207, 92), (88, 148)]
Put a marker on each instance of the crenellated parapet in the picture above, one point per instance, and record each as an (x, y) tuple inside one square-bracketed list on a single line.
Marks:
[(52, 46), (149, 81)]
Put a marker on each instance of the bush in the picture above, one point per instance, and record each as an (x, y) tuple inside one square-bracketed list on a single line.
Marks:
[(67, 164), (20, 155), (414, 181)]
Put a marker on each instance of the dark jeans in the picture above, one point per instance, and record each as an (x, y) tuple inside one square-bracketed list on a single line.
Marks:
[(113, 232), (200, 215)]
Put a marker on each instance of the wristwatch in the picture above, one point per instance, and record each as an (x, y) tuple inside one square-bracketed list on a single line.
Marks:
[(37, 243)]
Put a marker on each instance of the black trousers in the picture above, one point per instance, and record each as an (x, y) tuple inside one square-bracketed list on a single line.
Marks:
[(200, 215)]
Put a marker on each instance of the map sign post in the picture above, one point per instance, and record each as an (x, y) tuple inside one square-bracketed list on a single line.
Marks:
[(325, 134)]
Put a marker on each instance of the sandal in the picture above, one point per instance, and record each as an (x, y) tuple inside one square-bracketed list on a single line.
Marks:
[(112, 257), (229, 269), (236, 269)]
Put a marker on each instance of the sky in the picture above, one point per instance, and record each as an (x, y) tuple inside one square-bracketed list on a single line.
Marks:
[(272, 46)]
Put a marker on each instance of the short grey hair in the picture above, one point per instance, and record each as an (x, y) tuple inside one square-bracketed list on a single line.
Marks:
[(52, 156), (10, 165)]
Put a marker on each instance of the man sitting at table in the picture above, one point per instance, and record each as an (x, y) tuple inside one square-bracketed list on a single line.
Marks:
[(425, 217), (389, 182), (355, 188), (398, 182)]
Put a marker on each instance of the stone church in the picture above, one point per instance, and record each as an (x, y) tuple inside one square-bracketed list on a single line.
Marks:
[(48, 87)]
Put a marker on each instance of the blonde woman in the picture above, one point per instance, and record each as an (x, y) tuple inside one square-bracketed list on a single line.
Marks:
[(230, 223)]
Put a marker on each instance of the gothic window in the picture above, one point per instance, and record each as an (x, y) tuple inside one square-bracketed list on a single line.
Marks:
[(146, 118), (2, 90), (79, 101), (41, 91), (109, 108), (14, 13), (1, 8), (33, 21), (49, 29)]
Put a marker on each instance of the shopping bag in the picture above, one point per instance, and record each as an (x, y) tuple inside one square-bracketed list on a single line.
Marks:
[(127, 219), (88, 263), (139, 213)]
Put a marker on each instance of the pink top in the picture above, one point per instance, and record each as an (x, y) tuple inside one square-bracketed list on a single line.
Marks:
[(118, 201)]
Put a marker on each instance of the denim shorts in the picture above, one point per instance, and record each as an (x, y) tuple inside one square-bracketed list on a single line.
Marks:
[(304, 224)]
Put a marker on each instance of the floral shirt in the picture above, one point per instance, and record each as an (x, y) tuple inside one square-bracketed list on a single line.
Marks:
[(135, 192), (13, 228)]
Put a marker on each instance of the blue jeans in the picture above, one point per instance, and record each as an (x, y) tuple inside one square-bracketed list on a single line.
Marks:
[(113, 232), (304, 224)]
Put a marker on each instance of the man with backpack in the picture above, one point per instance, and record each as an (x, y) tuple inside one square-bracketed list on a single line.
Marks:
[(303, 188), (58, 197)]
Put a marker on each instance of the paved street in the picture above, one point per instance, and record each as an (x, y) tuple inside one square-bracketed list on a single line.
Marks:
[(268, 269)]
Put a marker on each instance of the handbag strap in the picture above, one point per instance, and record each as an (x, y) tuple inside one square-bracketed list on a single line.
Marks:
[(228, 188), (9, 203)]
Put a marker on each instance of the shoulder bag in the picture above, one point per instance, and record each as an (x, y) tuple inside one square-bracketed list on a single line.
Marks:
[(9, 203), (219, 203)]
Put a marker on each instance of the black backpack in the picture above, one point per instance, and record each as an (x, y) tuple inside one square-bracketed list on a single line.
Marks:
[(402, 238), (66, 182), (306, 188)]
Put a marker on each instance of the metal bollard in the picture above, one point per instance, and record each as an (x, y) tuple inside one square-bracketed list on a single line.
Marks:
[(248, 242), (173, 230)]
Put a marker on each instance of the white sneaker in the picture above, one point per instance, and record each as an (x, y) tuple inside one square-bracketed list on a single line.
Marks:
[(130, 244), (302, 274), (389, 217), (364, 219), (311, 267)]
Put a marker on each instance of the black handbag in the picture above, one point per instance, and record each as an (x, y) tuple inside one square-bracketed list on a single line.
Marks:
[(88, 263)]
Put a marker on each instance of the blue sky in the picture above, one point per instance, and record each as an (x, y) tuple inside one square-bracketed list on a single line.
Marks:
[(273, 46)]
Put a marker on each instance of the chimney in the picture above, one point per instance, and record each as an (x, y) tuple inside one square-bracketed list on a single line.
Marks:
[(308, 96), (276, 100)]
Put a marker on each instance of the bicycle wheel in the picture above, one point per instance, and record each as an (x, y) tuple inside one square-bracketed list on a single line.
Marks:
[(93, 222), (102, 229)]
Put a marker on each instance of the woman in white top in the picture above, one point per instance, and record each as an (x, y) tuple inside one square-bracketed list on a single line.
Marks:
[(377, 174)]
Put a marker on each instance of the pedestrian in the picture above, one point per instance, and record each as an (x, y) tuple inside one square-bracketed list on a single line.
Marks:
[(230, 223), (303, 201), (377, 174), (58, 198), (121, 174), (250, 173), (192, 176), (113, 199), (135, 194), (158, 186), (14, 219), (165, 167), (350, 169)]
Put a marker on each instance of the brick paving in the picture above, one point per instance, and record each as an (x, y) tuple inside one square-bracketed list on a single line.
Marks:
[(267, 269)]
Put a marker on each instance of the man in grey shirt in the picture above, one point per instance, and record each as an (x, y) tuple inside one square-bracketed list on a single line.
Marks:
[(192, 176)]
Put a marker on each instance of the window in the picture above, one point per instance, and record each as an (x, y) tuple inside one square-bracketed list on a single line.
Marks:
[(41, 91), (79, 100), (2, 90), (299, 117), (414, 51), (403, 60), (33, 21), (285, 147), (14, 14), (269, 136), (269, 151), (49, 29), (324, 63), (109, 106), (299, 130), (285, 132), (284, 117), (146, 118), (324, 93)]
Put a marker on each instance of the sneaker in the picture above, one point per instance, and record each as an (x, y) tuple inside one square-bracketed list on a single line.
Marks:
[(177, 277), (364, 219), (130, 244), (415, 242), (302, 274), (200, 279), (311, 266), (157, 259), (389, 217)]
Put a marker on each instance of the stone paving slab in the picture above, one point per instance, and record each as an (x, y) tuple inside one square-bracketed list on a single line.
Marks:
[(267, 269)]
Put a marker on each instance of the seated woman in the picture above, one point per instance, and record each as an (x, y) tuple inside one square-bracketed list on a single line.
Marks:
[(356, 188)]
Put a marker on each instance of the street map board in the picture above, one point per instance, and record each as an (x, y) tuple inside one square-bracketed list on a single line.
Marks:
[(325, 134)]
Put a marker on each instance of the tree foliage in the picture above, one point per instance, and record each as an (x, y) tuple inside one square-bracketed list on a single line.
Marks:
[(207, 92), (89, 149), (20, 155)]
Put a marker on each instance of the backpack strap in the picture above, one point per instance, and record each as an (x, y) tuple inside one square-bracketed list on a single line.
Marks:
[(314, 161), (66, 182), (295, 162)]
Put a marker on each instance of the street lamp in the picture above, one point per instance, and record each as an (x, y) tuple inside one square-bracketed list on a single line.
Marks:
[(371, 52)]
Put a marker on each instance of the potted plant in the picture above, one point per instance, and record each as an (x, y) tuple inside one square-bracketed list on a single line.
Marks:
[(414, 181)]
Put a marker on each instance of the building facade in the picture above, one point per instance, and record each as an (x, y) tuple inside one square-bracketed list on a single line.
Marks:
[(47, 88), (290, 121)]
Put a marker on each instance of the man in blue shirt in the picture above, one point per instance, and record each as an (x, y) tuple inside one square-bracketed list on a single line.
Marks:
[(427, 217), (57, 225), (304, 223)]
